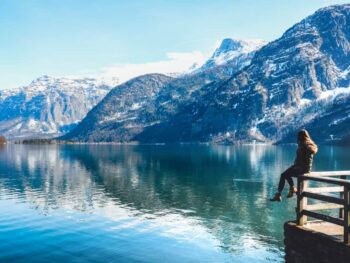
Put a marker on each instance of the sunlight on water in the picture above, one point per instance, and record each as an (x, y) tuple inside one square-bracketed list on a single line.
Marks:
[(104, 203)]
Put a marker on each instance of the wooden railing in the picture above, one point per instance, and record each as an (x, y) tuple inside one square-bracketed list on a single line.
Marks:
[(342, 202)]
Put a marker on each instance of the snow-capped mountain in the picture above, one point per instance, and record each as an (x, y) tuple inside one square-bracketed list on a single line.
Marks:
[(299, 80), (238, 52), (115, 118), (134, 106), (48, 106)]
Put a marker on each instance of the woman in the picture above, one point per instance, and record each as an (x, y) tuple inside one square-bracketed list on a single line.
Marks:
[(302, 164)]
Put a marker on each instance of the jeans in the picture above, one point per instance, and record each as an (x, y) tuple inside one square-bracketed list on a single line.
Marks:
[(287, 176)]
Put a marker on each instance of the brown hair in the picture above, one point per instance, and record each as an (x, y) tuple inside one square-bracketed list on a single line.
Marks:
[(304, 138)]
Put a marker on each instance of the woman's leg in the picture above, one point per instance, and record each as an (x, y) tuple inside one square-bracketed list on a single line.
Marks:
[(287, 176)]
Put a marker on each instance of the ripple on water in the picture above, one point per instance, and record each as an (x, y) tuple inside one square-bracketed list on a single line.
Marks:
[(108, 203)]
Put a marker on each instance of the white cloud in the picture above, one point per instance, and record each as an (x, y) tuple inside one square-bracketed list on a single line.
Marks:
[(176, 62)]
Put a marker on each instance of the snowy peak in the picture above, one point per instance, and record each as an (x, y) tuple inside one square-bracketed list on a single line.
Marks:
[(68, 83), (238, 52), (49, 106), (231, 48), (229, 45)]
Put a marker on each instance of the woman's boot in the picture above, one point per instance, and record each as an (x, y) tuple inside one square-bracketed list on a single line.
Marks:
[(277, 198), (292, 191)]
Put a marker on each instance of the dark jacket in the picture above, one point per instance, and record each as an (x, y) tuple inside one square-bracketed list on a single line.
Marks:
[(305, 155)]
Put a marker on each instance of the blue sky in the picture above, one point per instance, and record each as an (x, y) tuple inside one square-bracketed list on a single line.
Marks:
[(90, 37)]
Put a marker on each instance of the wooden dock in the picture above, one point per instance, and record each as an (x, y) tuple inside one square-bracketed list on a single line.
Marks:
[(323, 197), (340, 186)]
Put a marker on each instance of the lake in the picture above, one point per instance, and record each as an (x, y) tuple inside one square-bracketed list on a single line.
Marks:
[(133, 203)]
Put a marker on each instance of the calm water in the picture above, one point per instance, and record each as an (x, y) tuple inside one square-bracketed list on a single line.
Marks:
[(109, 203)]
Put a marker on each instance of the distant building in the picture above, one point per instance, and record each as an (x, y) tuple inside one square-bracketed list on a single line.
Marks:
[(2, 139)]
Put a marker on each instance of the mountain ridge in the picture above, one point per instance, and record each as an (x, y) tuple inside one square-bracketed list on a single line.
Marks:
[(234, 51), (290, 83), (48, 106), (164, 103), (244, 92)]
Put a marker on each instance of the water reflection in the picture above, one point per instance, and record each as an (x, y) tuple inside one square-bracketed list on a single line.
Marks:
[(212, 197)]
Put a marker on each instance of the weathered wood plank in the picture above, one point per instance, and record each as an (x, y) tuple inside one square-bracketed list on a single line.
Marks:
[(326, 218), (323, 207), (325, 198), (333, 189), (341, 196), (301, 201), (346, 215), (330, 173), (329, 180)]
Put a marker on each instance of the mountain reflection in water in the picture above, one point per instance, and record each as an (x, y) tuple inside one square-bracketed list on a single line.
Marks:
[(174, 203)]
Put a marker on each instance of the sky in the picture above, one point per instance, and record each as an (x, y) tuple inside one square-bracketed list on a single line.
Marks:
[(93, 38)]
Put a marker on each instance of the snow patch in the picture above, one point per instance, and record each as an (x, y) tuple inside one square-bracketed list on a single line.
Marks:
[(136, 106), (333, 93)]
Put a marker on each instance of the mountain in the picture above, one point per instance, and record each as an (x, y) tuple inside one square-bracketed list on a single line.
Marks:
[(237, 52), (299, 80), (118, 111), (48, 106), (127, 112)]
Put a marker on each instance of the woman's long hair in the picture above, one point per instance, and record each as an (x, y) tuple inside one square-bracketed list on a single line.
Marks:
[(304, 139)]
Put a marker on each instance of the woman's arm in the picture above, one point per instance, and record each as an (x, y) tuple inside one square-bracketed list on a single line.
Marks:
[(311, 147)]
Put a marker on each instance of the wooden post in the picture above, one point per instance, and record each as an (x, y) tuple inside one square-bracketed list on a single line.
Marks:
[(301, 201), (341, 196), (346, 214)]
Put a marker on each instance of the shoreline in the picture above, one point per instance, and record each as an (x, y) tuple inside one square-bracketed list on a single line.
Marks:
[(238, 143)]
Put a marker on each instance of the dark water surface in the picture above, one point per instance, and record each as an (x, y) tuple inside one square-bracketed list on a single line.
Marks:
[(108, 203)]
